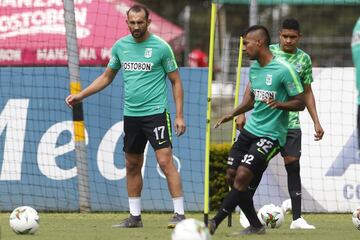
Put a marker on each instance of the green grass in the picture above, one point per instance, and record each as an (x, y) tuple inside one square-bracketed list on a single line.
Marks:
[(97, 226)]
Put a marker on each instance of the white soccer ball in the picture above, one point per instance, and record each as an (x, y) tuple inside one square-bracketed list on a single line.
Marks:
[(24, 220), (286, 206), (190, 229), (356, 218), (271, 216)]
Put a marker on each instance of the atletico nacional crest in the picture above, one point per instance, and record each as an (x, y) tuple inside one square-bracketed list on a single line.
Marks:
[(148, 52), (268, 79)]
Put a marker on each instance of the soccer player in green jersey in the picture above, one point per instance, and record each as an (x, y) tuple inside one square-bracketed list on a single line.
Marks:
[(145, 60), (287, 49), (274, 89), (355, 49)]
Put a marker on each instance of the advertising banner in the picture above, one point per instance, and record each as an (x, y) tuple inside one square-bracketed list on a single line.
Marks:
[(37, 157), (32, 32)]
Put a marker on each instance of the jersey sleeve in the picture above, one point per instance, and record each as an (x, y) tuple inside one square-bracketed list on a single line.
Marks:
[(292, 81), (306, 74), (114, 62), (168, 59)]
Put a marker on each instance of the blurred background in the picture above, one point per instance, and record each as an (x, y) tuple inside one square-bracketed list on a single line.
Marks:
[(326, 28), (41, 62)]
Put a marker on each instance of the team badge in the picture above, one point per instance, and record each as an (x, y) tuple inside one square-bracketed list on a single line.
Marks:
[(148, 52), (268, 79), (298, 67)]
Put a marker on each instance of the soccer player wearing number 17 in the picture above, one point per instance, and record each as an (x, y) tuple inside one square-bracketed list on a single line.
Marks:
[(274, 89), (145, 61)]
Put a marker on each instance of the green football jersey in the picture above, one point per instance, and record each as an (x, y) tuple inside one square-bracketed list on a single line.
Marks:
[(355, 48), (302, 64), (277, 80), (144, 67)]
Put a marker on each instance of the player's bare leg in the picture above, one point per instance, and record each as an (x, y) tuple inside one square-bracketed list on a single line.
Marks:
[(165, 160), (134, 183), (134, 180), (230, 176)]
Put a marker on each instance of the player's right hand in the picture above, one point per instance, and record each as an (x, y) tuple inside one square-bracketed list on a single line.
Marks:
[(240, 122), (71, 100), (319, 132), (224, 119)]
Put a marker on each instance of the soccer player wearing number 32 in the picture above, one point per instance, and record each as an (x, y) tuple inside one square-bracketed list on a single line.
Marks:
[(145, 61), (287, 50), (273, 90)]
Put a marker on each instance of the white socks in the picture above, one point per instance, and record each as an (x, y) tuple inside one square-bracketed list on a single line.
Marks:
[(179, 205), (135, 206)]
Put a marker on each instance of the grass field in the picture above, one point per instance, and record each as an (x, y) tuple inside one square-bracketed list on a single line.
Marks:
[(97, 226)]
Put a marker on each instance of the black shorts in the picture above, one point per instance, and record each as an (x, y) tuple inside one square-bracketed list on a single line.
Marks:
[(292, 146), (154, 128), (252, 152)]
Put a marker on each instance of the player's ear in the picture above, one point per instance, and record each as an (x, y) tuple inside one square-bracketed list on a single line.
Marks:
[(149, 21), (300, 35)]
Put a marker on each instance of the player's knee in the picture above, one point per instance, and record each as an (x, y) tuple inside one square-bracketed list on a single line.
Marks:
[(167, 166), (133, 167), (293, 167), (242, 179), (290, 159)]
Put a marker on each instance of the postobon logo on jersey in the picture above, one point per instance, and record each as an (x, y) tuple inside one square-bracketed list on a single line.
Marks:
[(263, 94), (137, 66)]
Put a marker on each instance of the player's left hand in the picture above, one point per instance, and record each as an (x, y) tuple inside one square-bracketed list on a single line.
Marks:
[(271, 103), (319, 132), (179, 126)]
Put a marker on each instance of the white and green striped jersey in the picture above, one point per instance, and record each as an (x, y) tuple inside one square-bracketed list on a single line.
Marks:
[(355, 48), (144, 67), (277, 80), (302, 64)]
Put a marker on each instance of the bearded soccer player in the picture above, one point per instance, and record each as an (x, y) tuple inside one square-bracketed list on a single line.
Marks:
[(291, 152), (145, 60), (274, 89)]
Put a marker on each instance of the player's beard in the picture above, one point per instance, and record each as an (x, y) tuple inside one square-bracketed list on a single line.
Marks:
[(138, 33)]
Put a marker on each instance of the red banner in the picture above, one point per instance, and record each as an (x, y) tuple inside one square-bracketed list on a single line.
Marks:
[(32, 32)]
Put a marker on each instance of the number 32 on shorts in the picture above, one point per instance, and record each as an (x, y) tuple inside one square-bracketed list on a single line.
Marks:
[(247, 159)]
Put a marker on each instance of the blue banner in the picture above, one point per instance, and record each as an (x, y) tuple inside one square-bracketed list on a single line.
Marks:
[(38, 165)]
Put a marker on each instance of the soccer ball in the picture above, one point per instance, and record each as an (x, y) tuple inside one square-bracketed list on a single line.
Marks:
[(271, 216), (190, 229), (286, 206), (24, 220), (356, 218)]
